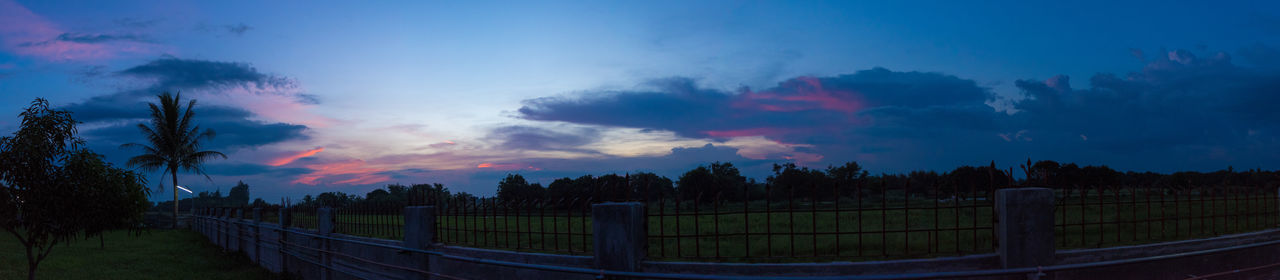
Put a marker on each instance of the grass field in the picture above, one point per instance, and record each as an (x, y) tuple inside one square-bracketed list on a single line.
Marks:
[(157, 254)]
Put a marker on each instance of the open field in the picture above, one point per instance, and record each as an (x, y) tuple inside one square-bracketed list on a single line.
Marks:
[(156, 254)]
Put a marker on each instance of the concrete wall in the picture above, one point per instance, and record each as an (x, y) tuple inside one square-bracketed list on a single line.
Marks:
[(298, 252)]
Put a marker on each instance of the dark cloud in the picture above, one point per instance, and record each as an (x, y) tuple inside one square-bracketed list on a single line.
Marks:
[(794, 108), (112, 119), (249, 169), (234, 127), (1202, 111), (237, 29), (518, 137), (190, 73), (84, 38), (1182, 110)]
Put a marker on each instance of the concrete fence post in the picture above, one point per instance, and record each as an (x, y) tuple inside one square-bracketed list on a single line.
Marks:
[(239, 238), (419, 233), (325, 225), (285, 219), (1025, 227), (619, 235), (257, 235)]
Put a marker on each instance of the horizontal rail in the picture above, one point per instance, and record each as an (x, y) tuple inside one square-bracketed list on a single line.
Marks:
[(651, 275)]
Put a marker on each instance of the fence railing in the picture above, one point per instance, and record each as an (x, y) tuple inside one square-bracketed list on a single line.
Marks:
[(378, 220), (859, 223), (302, 216), (817, 223), (538, 225), (1105, 216)]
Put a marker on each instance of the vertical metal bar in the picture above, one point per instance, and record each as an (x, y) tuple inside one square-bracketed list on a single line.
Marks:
[(697, 229), (956, 198), (768, 215), (906, 216), (974, 206), (678, 232), (884, 216), (1102, 208), (857, 194), (934, 247), (746, 220), (813, 218), (662, 221), (586, 209), (839, 231), (791, 218), (715, 218)]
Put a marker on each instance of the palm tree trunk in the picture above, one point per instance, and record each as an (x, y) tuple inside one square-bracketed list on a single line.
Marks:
[(175, 197)]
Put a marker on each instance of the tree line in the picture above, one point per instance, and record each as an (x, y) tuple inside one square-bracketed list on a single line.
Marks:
[(721, 181)]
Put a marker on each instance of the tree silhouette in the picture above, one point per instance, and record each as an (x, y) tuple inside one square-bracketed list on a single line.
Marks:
[(175, 142), (51, 190)]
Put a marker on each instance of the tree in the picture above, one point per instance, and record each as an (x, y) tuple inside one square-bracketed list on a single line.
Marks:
[(705, 183), (515, 188), (175, 143), (239, 195), (48, 185)]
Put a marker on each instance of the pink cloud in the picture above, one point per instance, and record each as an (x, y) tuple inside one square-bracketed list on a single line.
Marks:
[(351, 172), (809, 94), (506, 166), (26, 33), (290, 158)]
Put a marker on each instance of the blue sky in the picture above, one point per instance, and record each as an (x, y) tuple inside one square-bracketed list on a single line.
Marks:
[(310, 97)]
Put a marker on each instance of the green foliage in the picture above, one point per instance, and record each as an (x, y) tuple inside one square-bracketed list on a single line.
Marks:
[(52, 191)]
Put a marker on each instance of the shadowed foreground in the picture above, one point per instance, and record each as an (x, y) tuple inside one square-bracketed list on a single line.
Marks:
[(158, 254)]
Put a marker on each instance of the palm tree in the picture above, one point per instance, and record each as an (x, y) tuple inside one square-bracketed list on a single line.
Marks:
[(175, 143)]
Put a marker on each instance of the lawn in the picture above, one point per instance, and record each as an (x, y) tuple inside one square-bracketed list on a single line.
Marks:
[(156, 254)]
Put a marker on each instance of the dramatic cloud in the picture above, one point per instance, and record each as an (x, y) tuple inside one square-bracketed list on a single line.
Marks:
[(178, 73), (1184, 109), (111, 119), (518, 137), (1200, 110), (843, 115)]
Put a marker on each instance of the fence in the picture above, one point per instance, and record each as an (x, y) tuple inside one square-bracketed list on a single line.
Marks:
[(321, 254), (866, 222), (1103, 216), (537, 225)]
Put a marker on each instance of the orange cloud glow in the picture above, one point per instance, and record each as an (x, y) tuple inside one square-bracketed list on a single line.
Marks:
[(289, 159), (353, 172)]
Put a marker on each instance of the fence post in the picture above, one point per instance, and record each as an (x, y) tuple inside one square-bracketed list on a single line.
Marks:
[(239, 240), (257, 235), (285, 220), (324, 226), (618, 235), (1025, 227), (419, 231)]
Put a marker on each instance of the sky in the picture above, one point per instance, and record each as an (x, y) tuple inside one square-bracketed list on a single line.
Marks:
[(311, 96)]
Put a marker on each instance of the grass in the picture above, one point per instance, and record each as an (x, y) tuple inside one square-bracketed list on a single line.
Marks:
[(156, 254)]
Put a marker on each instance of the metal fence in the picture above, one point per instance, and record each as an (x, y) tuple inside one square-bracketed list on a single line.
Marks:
[(302, 216), (378, 220), (539, 225), (1105, 216), (864, 222)]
